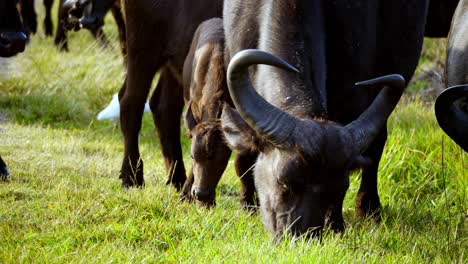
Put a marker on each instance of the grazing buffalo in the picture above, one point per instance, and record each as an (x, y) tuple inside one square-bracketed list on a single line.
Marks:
[(89, 14), (12, 41), (310, 123), (159, 33), (29, 16), (439, 18), (205, 91), (452, 104), (12, 35)]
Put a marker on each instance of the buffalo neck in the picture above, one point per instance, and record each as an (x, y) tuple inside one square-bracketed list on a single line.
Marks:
[(294, 31)]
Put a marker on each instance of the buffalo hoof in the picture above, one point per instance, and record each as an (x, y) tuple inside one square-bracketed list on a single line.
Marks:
[(186, 193), (4, 173), (249, 203), (177, 179), (132, 177), (335, 223), (368, 206)]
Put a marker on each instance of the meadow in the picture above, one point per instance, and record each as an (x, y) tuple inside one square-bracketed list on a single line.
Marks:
[(64, 202)]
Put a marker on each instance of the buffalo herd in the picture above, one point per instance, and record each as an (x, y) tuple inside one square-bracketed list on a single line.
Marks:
[(299, 90)]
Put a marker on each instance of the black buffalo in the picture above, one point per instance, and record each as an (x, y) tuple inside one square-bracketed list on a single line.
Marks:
[(310, 123), (89, 14), (452, 105), (12, 33), (12, 41), (159, 34)]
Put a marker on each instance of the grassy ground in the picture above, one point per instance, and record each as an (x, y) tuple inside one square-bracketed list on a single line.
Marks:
[(64, 202)]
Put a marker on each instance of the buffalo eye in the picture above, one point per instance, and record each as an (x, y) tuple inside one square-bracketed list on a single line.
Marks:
[(283, 185)]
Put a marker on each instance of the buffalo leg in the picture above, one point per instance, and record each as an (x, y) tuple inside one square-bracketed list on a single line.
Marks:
[(368, 201), (101, 37), (48, 27), (186, 193), (334, 212), (132, 103), (117, 13), (166, 104), (61, 41), (29, 16), (244, 169)]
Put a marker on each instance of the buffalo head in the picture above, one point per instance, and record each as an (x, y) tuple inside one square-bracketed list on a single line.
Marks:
[(12, 36), (209, 154), (89, 13), (302, 170)]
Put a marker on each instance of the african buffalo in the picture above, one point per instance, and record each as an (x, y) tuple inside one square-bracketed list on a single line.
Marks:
[(89, 14), (12, 41), (12, 35), (29, 16), (451, 106), (159, 34), (205, 91), (310, 123)]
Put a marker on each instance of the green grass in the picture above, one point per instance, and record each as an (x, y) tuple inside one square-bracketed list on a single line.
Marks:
[(64, 202)]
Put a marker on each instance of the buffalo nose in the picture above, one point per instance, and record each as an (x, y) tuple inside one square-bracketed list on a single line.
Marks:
[(14, 41), (89, 22), (202, 195)]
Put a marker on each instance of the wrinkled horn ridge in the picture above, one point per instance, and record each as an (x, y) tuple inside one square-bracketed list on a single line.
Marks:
[(269, 121), (368, 125)]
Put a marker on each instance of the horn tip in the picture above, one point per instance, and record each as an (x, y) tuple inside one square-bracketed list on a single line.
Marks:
[(395, 78)]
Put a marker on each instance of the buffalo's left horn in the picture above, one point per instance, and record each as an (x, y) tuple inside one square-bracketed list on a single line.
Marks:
[(267, 120), (368, 125)]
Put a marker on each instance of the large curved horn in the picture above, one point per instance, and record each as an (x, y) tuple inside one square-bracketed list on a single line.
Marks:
[(452, 113), (366, 128), (267, 120)]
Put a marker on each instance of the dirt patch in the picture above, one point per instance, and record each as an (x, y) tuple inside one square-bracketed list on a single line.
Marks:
[(433, 79)]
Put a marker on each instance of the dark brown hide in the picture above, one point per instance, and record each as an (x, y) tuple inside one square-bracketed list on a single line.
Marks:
[(205, 90), (159, 33), (439, 18)]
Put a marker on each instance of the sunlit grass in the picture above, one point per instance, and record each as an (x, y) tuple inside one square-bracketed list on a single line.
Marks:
[(64, 202)]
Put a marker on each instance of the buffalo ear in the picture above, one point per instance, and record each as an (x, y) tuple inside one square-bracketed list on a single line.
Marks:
[(238, 134), (190, 121)]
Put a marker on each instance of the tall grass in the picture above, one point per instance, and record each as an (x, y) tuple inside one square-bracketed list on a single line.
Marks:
[(64, 202)]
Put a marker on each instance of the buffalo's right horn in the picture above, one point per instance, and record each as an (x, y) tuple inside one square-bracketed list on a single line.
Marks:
[(368, 125), (451, 110), (267, 120)]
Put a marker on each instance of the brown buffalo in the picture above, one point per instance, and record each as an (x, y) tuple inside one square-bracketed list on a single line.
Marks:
[(159, 34), (205, 90)]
